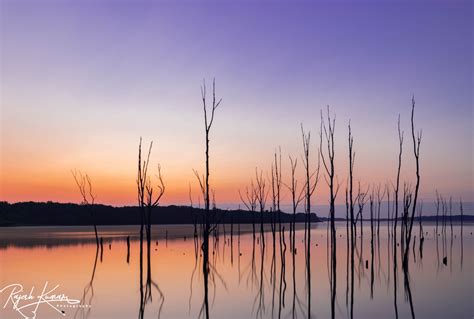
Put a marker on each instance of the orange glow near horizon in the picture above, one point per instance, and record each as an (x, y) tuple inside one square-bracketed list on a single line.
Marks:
[(48, 184)]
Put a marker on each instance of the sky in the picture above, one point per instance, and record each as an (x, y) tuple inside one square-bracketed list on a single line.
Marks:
[(82, 81)]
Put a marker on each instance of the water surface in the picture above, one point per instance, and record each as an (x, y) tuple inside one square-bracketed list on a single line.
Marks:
[(245, 280)]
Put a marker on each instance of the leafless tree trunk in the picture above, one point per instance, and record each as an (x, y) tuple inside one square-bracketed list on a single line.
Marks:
[(205, 189), (462, 235), (84, 184), (310, 186), (451, 214), (437, 210), (397, 185), (276, 191), (445, 209), (273, 209), (329, 163), (250, 201), (416, 151), (277, 181), (422, 237), (330, 176), (388, 210), (350, 218), (407, 200), (351, 181), (380, 197), (141, 184), (347, 247), (152, 200), (295, 199), (307, 204), (312, 179), (371, 201), (361, 201), (147, 200), (262, 194)]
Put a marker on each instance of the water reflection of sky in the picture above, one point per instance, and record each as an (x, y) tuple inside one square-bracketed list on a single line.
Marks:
[(437, 290)]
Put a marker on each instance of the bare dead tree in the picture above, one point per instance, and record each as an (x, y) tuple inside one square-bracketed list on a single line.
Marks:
[(276, 184), (273, 209), (250, 201), (437, 210), (444, 209), (194, 219), (329, 162), (451, 214), (84, 183), (416, 152), (148, 198), (262, 195), (153, 196), (420, 225), (329, 166), (407, 200), (372, 214), (347, 246), (142, 179), (351, 179), (407, 223), (371, 204), (462, 235), (312, 179), (361, 199), (388, 209), (307, 206), (350, 218), (310, 186), (380, 197), (295, 199), (204, 180), (278, 180), (397, 186), (205, 189), (146, 201)]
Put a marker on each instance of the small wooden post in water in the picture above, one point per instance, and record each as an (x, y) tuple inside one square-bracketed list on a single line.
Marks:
[(128, 249), (101, 248)]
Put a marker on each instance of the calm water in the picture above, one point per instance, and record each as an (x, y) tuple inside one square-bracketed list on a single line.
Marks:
[(244, 282)]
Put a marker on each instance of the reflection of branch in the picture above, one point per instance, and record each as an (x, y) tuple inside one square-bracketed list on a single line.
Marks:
[(406, 284), (210, 274), (215, 273), (261, 292), (162, 297), (191, 284), (282, 272), (88, 290), (252, 276)]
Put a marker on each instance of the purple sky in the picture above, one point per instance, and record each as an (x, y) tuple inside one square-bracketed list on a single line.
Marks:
[(82, 80)]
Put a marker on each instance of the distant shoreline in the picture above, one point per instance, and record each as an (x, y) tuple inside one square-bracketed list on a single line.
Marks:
[(59, 214)]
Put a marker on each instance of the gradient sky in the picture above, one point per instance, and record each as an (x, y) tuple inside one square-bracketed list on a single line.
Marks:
[(81, 81)]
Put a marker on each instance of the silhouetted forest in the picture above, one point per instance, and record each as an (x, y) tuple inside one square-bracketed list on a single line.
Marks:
[(50, 214)]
